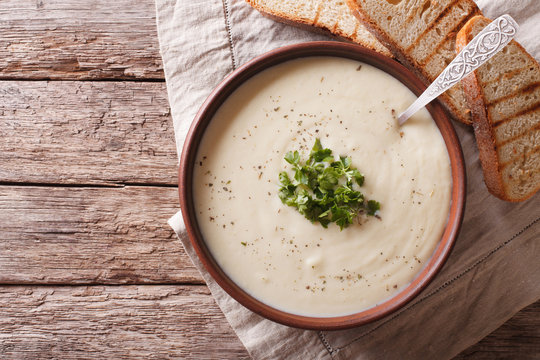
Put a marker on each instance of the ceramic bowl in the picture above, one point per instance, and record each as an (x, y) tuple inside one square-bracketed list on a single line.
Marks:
[(205, 115)]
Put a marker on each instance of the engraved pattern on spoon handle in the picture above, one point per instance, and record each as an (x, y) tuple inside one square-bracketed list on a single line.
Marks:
[(492, 39)]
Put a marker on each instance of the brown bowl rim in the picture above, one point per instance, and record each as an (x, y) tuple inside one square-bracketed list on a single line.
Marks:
[(274, 57)]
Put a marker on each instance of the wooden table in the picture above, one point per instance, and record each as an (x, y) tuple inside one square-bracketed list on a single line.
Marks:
[(88, 266)]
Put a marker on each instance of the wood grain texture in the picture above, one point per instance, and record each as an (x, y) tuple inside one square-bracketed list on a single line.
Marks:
[(108, 133), (67, 235), (78, 39), (166, 322), (112, 322), (74, 132), (518, 338)]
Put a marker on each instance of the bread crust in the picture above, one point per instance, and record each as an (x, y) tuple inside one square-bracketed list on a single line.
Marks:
[(401, 55), (286, 18), (483, 129), (482, 122)]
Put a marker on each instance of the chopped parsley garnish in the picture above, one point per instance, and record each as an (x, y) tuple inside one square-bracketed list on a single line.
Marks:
[(324, 189)]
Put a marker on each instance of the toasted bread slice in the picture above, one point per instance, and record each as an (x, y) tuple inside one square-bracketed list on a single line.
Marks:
[(329, 16), (421, 34), (504, 96)]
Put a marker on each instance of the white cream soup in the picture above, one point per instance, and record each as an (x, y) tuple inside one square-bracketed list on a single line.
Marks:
[(271, 250)]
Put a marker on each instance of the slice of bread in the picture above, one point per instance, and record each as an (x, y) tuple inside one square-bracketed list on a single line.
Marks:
[(421, 34), (328, 16), (504, 96)]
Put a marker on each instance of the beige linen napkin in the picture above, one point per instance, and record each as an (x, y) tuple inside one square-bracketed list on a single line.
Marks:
[(493, 271)]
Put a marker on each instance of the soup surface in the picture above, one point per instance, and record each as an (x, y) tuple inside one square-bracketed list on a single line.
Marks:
[(271, 250)]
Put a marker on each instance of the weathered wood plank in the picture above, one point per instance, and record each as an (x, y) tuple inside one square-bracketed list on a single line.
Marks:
[(75, 132), (66, 235), (93, 235), (166, 321), (518, 338), (106, 322), (78, 39)]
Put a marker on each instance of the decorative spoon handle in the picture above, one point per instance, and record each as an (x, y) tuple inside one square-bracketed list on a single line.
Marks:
[(492, 39)]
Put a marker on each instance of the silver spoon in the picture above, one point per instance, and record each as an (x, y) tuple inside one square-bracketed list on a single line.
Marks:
[(492, 39)]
